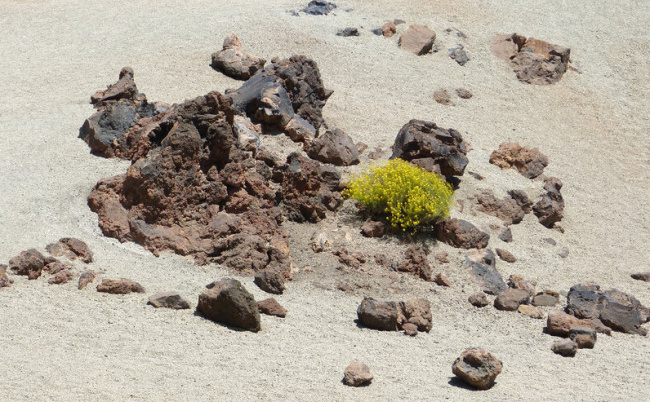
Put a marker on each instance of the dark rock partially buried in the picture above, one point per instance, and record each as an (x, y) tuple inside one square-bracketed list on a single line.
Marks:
[(482, 269), (228, 302), (172, 300), (233, 62), (432, 148), (477, 368)]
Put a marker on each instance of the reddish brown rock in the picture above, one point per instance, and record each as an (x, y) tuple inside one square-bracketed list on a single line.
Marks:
[(417, 39), (478, 300), (354, 260), (357, 374), (172, 300), (373, 228), (229, 303), (417, 312), (233, 62), (86, 278), (518, 282), (271, 306), (533, 61), (550, 208), (376, 314), (119, 287), (560, 324), (461, 234), (477, 368), (389, 29), (583, 337), (71, 248), (124, 88), (529, 162), (506, 255), (547, 298), (61, 277), (442, 280), (443, 97), (272, 279), (335, 147), (565, 347), (410, 329), (29, 263), (432, 148), (416, 262), (56, 266), (511, 299), (510, 210)]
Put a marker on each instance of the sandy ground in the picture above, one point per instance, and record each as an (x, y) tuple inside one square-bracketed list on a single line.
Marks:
[(59, 343)]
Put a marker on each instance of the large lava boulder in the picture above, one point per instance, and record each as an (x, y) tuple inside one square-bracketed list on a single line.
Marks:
[(228, 302)]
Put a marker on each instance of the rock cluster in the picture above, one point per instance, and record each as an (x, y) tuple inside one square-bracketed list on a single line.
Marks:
[(393, 316), (233, 62)]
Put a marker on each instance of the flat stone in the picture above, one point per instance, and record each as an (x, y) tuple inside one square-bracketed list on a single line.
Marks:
[(172, 300)]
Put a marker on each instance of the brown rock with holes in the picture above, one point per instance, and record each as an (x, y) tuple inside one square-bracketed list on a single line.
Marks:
[(550, 207), (389, 29), (86, 278), (565, 347), (442, 280), (461, 234), (172, 300), (477, 368), (417, 39), (56, 266), (119, 287), (511, 299), (61, 277), (71, 248), (560, 324), (335, 147), (229, 303), (443, 97), (271, 306), (531, 311), (547, 298), (478, 300), (644, 276), (584, 337), (506, 255), (415, 262), (432, 148), (357, 374), (373, 228), (29, 263), (529, 162), (233, 62)]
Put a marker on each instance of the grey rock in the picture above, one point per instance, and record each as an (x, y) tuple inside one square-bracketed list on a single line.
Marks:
[(565, 347)]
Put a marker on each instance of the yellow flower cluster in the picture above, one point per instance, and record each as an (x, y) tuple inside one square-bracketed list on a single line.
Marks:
[(407, 195)]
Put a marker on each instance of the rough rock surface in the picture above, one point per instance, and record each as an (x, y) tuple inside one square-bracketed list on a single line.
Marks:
[(272, 280), (56, 266), (85, 279), (430, 147), (320, 242), (335, 147), (643, 276), (233, 62), (506, 235), (533, 60), (518, 282), (443, 97), (550, 208), (271, 306), (482, 269), (61, 277), (29, 263), (119, 287), (478, 300), (547, 298), (506, 255), (349, 31), (584, 337), (565, 347), (464, 93), (357, 374), (389, 29), (391, 316), (529, 162), (477, 368), (617, 310), (172, 300), (560, 324), (228, 302), (415, 262), (354, 259), (511, 209), (417, 39), (511, 299), (373, 228), (71, 248), (531, 311), (319, 7), (442, 280), (5, 281), (461, 234)]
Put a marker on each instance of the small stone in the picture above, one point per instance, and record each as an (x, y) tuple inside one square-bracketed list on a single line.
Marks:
[(172, 300), (645, 276), (478, 300), (461, 234), (506, 235), (373, 229), (348, 32), (511, 299), (410, 329), (442, 280), (85, 278), (61, 277), (270, 280), (530, 162), (442, 257), (560, 324), (5, 281), (459, 54), (417, 39), (477, 368), (271, 306), (565, 347), (464, 93), (388, 29), (357, 374), (319, 7), (547, 298), (442, 96), (119, 287), (518, 282), (506, 255), (584, 337), (320, 242), (531, 311), (71, 248), (228, 302)]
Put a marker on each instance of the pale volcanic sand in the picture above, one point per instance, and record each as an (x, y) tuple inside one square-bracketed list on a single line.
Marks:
[(59, 343)]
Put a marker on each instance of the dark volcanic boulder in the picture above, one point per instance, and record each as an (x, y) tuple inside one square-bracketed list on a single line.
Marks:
[(233, 62), (550, 208), (482, 269), (228, 302), (376, 314), (529, 162), (461, 234), (319, 7), (477, 368), (29, 263), (430, 147), (335, 147), (172, 300)]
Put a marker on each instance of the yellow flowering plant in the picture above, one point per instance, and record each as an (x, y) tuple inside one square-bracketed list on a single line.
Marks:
[(406, 195)]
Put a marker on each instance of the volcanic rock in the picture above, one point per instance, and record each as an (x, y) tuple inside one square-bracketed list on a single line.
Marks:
[(417, 39), (511, 299), (464, 93), (172, 300), (442, 280), (459, 54), (335, 147), (29, 263), (391, 316), (272, 279), (417, 312), (560, 324), (271, 306), (506, 255), (233, 62), (482, 267), (511, 209), (61, 277), (477, 368), (354, 260), (506, 235), (529, 162), (410, 329), (320, 242), (565, 347), (442, 96), (461, 234), (389, 29), (584, 337), (478, 300), (346, 32), (531, 311), (533, 61), (415, 262), (55, 267), (228, 302), (547, 298), (645, 276), (86, 278), (119, 287), (5, 281), (319, 7), (71, 248), (550, 208), (430, 147), (518, 282), (373, 228), (357, 374)]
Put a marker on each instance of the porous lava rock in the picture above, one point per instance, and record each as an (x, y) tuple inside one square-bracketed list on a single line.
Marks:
[(510, 209), (391, 315), (119, 287), (530, 162), (617, 310), (335, 147), (56, 266), (477, 368), (271, 306), (319, 7), (86, 278), (29, 263), (564, 347), (71, 248), (417, 39), (534, 61), (172, 300), (272, 279), (432, 148), (415, 262), (482, 269), (460, 233), (233, 62), (357, 374), (228, 302), (511, 299), (550, 208)]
